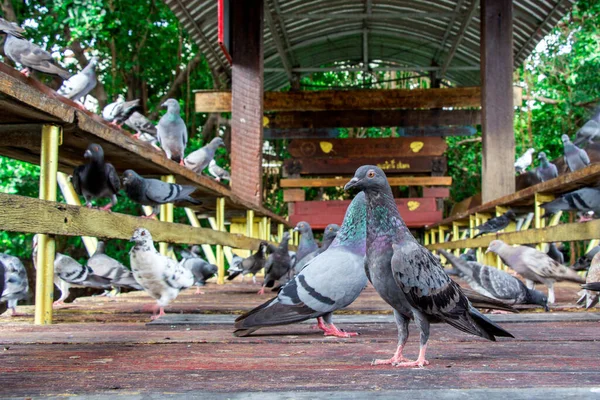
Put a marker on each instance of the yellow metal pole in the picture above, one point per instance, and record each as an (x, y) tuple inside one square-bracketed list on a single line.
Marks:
[(208, 253), (166, 215), (44, 286), (280, 230), (426, 238), (220, 219), (264, 226), (250, 223)]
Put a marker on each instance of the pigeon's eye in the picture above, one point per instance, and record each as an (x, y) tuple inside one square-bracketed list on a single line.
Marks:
[(143, 233), (95, 148), (371, 174)]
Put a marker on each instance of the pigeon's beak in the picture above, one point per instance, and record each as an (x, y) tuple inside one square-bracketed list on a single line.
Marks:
[(487, 250), (164, 105), (132, 239), (353, 182), (296, 229), (87, 154)]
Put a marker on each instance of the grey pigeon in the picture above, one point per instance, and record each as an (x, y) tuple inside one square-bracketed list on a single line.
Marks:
[(145, 130), (534, 266), (329, 235), (583, 200), (251, 264), (575, 158), (80, 85), (96, 179), (28, 54), (278, 264), (331, 281), (198, 160), (69, 273), (120, 111), (14, 282), (590, 295), (407, 276), (218, 172), (496, 224), (590, 131), (555, 254), (546, 170), (107, 267), (494, 283), (160, 276), (524, 161), (201, 269), (307, 241), (172, 133), (583, 263), (470, 255), (152, 192)]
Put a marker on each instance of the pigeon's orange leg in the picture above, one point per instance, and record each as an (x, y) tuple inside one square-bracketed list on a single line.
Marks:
[(396, 358), (261, 291), (160, 314), (333, 330), (149, 216), (419, 362), (137, 135), (107, 207), (198, 291)]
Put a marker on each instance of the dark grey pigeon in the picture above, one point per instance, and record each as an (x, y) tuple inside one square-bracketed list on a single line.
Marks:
[(470, 255), (250, 265), (96, 179), (201, 269), (407, 276), (307, 241), (583, 200), (152, 192), (546, 170), (120, 111), (80, 85), (28, 54), (172, 133), (331, 281), (583, 262), (145, 130), (534, 266), (496, 224), (278, 264), (14, 283), (555, 254), (109, 268), (492, 282), (575, 158), (329, 235), (590, 131), (198, 160)]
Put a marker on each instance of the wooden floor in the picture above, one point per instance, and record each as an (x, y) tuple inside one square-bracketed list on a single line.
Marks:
[(101, 347)]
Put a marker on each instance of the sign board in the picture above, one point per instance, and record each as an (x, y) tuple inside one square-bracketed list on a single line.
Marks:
[(411, 131)]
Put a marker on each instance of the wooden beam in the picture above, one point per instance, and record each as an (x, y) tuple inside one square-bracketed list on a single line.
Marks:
[(339, 182), (269, 19), (498, 173), (367, 118), (293, 195), (358, 148), (395, 165), (300, 133), (459, 37), (246, 100)]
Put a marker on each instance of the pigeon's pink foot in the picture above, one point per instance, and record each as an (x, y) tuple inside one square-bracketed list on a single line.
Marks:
[(198, 291), (261, 291), (150, 308), (107, 207), (14, 313), (58, 303), (26, 72), (156, 147), (181, 162), (218, 179), (149, 216), (88, 205), (160, 314), (332, 330), (397, 358), (419, 362), (137, 136), (499, 312), (585, 218)]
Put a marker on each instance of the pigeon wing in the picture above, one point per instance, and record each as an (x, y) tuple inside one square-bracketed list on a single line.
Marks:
[(113, 177)]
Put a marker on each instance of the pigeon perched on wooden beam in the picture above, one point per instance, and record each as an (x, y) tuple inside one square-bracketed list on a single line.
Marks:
[(575, 158), (496, 224), (524, 161), (250, 265), (582, 200), (80, 85), (407, 276), (172, 133), (118, 112), (14, 285), (199, 159), (590, 131), (143, 127), (278, 264), (218, 172), (153, 192), (546, 171)]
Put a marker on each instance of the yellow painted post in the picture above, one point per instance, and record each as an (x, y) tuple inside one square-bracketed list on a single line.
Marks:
[(220, 217), (280, 230), (442, 238), (208, 253), (265, 228), (166, 215), (480, 218), (593, 243), (426, 238), (538, 219), (44, 286)]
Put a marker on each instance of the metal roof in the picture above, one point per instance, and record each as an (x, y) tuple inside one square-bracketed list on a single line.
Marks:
[(300, 36)]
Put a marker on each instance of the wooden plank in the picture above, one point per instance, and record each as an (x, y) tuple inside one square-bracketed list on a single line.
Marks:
[(54, 218), (436, 192), (441, 131), (358, 148), (340, 182), (368, 99), (393, 165), (366, 118), (293, 195), (498, 174), (247, 100), (300, 133)]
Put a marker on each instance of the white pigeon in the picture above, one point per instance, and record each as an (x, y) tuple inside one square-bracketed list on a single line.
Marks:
[(524, 161), (160, 276), (16, 285), (218, 172)]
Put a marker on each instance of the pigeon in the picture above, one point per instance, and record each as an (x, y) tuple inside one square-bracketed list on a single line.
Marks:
[(172, 132), (590, 294), (331, 281), (145, 130), (329, 235), (278, 264), (97, 179), (307, 241), (198, 160), (152, 192), (108, 267), (555, 254), (546, 170), (28, 54), (201, 269), (218, 172), (69, 273), (524, 161), (575, 158), (160, 276), (14, 282), (590, 131), (534, 266), (250, 265), (80, 85), (120, 111), (583, 200), (407, 276), (470, 255), (583, 263), (494, 283), (496, 224)]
